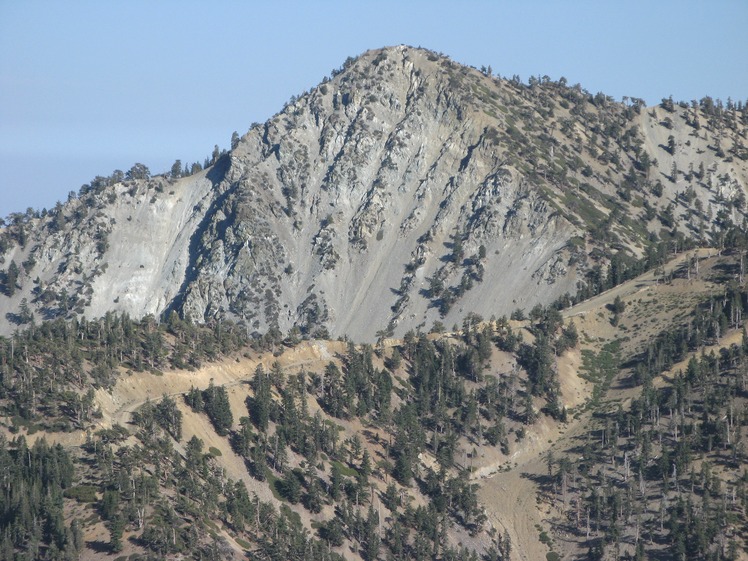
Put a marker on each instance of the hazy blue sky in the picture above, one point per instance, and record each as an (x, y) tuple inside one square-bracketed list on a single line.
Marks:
[(89, 87)]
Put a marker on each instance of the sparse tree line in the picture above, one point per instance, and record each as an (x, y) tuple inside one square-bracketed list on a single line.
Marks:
[(665, 477), (614, 142)]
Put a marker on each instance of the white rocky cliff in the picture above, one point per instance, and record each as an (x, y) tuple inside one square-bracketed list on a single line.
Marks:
[(406, 189)]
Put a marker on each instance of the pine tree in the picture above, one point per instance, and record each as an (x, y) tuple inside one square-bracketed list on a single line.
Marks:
[(261, 404), (218, 408), (176, 169), (11, 278), (116, 529)]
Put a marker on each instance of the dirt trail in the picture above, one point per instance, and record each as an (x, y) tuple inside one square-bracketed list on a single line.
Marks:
[(131, 392)]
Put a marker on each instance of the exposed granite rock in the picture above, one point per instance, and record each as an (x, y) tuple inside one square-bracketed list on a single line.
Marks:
[(406, 189)]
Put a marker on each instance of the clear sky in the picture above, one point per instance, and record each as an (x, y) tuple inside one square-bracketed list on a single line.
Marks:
[(87, 87)]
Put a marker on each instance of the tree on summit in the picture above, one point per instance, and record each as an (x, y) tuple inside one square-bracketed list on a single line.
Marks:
[(138, 171), (176, 169)]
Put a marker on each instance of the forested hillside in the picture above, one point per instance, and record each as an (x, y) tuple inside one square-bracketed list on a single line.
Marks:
[(382, 451), (418, 410)]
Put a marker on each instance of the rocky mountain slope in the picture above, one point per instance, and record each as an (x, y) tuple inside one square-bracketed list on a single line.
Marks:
[(406, 189)]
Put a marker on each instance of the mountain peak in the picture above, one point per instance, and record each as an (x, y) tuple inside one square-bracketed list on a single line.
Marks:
[(405, 190)]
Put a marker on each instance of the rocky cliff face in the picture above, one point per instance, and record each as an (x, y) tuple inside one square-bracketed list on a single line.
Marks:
[(406, 189)]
